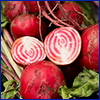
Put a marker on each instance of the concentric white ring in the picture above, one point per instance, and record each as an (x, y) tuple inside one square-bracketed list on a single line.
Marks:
[(63, 45), (26, 50)]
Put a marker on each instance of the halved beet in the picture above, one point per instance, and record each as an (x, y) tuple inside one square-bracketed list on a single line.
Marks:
[(63, 45), (26, 50)]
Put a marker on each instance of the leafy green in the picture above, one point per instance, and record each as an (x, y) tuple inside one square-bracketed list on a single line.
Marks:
[(4, 19), (3, 79), (64, 92), (10, 91), (3, 24), (85, 84)]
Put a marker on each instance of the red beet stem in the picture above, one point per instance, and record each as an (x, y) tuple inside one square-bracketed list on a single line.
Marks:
[(49, 9), (40, 21), (49, 18), (68, 17), (11, 73), (8, 55), (7, 34), (7, 62), (8, 77)]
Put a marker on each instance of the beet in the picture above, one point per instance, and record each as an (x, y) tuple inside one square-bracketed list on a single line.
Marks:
[(26, 50), (14, 9), (27, 25), (71, 10), (90, 48), (33, 7), (63, 45), (41, 80)]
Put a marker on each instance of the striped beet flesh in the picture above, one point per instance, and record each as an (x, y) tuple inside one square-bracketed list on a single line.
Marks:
[(26, 50), (63, 45)]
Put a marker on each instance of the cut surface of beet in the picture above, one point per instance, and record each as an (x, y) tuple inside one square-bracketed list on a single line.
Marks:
[(63, 45), (26, 50)]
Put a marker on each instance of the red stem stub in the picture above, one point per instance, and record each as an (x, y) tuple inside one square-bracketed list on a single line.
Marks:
[(63, 45), (27, 49)]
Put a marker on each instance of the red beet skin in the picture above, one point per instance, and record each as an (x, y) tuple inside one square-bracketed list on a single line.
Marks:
[(27, 25), (41, 80), (90, 48), (33, 7), (63, 45), (13, 9), (70, 7), (26, 50)]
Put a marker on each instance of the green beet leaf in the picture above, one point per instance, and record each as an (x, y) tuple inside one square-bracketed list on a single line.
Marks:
[(4, 19), (84, 85), (10, 91)]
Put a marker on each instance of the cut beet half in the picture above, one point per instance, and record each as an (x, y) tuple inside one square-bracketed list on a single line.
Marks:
[(63, 45), (26, 50)]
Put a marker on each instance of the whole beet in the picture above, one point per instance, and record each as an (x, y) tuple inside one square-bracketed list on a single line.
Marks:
[(13, 9), (27, 25), (32, 6), (90, 48), (71, 10), (41, 80)]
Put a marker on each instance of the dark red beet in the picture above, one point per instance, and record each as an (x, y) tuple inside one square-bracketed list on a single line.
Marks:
[(33, 7), (13, 9), (41, 80), (90, 48), (27, 25), (69, 8)]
